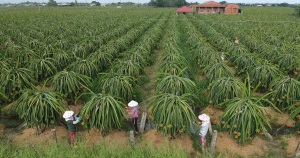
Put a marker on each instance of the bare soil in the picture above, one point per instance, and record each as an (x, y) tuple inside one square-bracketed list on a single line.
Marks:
[(114, 137), (292, 143), (153, 137), (213, 113), (76, 108), (225, 144), (29, 136), (277, 118)]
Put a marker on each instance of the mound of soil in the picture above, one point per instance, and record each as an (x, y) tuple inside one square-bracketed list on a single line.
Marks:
[(225, 144), (29, 136), (114, 137), (292, 143), (213, 113), (278, 119), (156, 139), (92, 137)]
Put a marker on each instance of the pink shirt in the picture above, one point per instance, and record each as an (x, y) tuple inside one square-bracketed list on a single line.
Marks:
[(134, 112)]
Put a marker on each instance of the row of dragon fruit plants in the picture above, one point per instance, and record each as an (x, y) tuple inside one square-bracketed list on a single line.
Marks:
[(95, 63), (233, 90)]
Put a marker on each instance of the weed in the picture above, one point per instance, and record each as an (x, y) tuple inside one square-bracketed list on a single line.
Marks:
[(284, 144)]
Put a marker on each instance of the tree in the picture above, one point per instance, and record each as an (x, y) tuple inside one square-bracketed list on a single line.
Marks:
[(297, 10), (94, 3), (283, 4), (52, 3), (181, 3), (223, 2), (167, 3)]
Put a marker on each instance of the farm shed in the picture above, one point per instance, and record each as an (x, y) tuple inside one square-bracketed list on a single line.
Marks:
[(231, 9), (184, 10), (212, 7)]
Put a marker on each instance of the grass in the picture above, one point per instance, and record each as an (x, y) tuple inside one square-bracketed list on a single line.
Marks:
[(284, 144), (104, 150), (10, 123)]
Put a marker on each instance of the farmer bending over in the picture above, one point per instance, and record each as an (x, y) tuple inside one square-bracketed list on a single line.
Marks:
[(133, 112), (71, 124), (203, 128)]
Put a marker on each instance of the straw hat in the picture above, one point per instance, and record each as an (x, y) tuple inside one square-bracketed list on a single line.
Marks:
[(204, 117), (68, 114), (133, 103)]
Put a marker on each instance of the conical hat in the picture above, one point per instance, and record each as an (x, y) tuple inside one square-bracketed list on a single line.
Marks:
[(68, 114), (133, 103), (204, 117)]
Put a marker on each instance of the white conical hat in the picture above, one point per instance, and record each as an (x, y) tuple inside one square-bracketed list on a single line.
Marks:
[(204, 117), (133, 103), (68, 114)]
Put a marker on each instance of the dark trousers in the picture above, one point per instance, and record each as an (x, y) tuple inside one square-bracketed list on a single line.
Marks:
[(134, 121)]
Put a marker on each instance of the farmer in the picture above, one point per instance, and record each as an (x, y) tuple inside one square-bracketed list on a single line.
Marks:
[(203, 128), (237, 40), (133, 112), (222, 56), (71, 124)]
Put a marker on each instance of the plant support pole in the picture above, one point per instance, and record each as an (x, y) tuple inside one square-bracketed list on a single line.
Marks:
[(54, 134), (143, 122), (213, 142), (131, 138), (297, 152)]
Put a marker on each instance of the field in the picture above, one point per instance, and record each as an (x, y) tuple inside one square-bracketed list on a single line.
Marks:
[(242, 70)]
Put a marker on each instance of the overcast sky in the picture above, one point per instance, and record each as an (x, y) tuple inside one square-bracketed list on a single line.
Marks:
[(145, 1)]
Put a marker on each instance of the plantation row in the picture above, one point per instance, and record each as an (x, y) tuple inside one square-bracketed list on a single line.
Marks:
[(99, 56)]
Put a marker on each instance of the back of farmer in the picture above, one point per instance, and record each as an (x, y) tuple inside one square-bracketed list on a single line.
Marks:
[(133, 112), (204, 128), (71, 124)]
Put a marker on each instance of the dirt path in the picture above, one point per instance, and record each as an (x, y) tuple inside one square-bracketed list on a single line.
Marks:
[(148, 89)]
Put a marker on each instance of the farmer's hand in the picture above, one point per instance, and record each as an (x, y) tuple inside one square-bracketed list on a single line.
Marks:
[(78, 118)]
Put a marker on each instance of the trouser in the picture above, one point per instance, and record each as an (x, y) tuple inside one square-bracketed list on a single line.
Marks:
[(134, 121), (72, 137), (203, 140)]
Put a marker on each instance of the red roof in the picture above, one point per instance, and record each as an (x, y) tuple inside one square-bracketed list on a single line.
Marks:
[(210, 4), (185, 9), (232, 6)]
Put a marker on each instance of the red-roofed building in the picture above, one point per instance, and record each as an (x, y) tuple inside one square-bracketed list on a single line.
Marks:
[(212, 7), (184, 10)]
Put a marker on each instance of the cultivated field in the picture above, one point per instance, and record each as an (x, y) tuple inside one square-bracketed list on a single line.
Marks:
[(100, 58)]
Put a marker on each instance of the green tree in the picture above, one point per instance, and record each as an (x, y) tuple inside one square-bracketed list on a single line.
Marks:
[(283, 4), (96, 3), (223, 2), (168, 3), (297, 10), (52, 3)]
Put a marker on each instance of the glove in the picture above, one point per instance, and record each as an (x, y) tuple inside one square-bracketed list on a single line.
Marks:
[(78, 118)]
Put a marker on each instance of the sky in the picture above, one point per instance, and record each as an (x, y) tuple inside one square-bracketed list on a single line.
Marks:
[(146, 1)]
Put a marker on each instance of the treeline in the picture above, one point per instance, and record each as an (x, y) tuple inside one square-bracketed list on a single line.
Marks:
[(168, 3), (297, 10)]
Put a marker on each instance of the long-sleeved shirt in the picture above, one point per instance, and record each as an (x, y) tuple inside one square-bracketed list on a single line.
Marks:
[(71, 124), (134, 112), (204, 128)]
